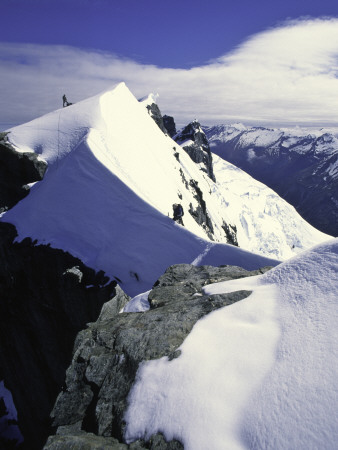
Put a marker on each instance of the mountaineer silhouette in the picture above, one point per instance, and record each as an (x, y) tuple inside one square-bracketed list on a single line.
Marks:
[(178, 213)]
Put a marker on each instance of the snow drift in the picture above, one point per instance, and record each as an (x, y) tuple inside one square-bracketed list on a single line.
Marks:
[(261, 373)]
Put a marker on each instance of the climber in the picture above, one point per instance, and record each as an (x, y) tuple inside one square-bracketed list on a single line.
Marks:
[(178, 213), (65, 101)]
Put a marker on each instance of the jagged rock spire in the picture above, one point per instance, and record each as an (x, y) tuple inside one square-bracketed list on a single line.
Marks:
[(194, 141)]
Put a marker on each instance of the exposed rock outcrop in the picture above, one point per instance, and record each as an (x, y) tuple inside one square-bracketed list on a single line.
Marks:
[(165, 123), (17, 169), (200, 214), (47, 297), (80, 440), (231, 233), (169, 124), (193, 139), (107, 355), (155, 113)]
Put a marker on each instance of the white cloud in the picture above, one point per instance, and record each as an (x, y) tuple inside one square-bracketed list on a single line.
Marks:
[(286, 75)]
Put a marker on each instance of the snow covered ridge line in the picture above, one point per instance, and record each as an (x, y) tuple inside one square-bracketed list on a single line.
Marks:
[(112, 179), (269, 366), (195, 143)]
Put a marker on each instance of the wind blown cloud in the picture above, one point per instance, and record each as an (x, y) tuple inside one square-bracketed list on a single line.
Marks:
[(283, 76)]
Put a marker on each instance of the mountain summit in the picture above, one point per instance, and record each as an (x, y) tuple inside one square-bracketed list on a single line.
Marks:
[(108, 192)]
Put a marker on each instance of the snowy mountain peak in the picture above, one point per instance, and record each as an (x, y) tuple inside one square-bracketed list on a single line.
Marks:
[(108, 194)]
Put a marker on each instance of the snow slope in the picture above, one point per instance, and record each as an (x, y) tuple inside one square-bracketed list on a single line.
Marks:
[(266, 223), (110, 185), (259, 374)]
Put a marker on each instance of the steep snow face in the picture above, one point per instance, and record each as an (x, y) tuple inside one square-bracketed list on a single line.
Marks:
[(112, 179), (299, 164), (261, 373), (259, 138), (265, 222), (109, 189)]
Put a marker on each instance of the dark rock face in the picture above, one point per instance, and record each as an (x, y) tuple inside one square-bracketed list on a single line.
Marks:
[(200, 214), (196, 146), (301, 169), (231, 233), (165, 123), (107, 355), (155, 113), (47, 297), (16, 171), (169, 124)]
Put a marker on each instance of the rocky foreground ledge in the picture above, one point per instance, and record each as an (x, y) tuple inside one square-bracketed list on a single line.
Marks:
[(89, 412)]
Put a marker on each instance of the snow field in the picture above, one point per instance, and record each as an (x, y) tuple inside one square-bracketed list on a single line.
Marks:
[(268, 224), (261, 373), (223, 360)]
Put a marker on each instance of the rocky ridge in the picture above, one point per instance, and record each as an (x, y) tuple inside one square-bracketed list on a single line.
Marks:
[(108, 353), (193, 140), (169, 124)]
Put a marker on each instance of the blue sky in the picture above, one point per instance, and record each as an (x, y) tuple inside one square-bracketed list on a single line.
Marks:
[(164, 47), (173, 33)]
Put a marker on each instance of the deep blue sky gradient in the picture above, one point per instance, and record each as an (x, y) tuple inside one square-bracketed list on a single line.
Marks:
[(172, 33)]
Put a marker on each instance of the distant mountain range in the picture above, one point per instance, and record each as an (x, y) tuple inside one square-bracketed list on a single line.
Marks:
[(301, 165)]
